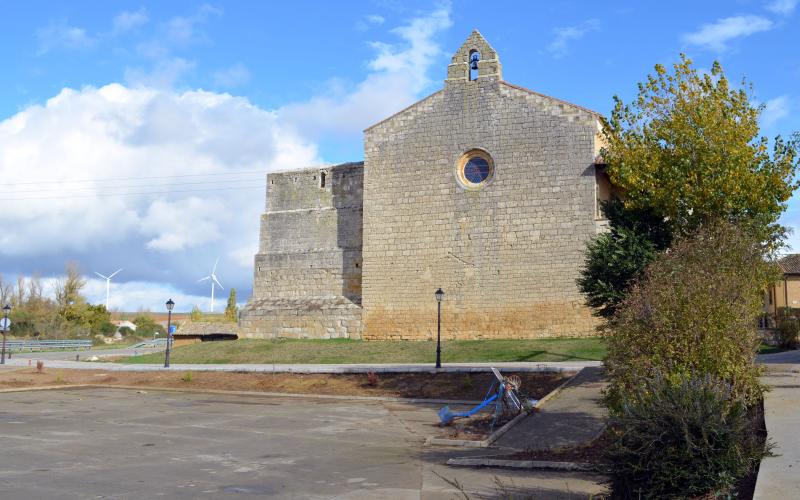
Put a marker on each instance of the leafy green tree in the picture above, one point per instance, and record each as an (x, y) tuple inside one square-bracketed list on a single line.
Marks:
[(126, 331), (616, 258), (688, 148), (146, 326), (97, 319), (68, 294), (232, 310)]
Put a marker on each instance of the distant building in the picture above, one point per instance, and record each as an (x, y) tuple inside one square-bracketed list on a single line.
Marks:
[(124, 323), (484, 189), (786, 292)]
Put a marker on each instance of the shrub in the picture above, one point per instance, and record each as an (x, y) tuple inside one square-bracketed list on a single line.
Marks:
[(693, 311), (787, 330), (372, 379), (126, 331), (680, 436), (615, 259), (196, 314), (187, 377), (107, 328), (147, 326)]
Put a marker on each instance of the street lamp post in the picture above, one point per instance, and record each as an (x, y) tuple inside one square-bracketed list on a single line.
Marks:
[(439, 296), (6, 310), (170, 305)]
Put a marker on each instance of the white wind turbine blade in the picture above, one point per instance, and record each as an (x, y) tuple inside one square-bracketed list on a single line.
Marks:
[(104, 277), (115, 273), (217, 282), (203, 279), (213, 271)]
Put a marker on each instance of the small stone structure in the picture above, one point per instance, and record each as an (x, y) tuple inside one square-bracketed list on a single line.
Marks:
[(485, 189), (191, 332)]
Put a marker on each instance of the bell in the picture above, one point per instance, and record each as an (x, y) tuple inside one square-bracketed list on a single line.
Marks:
[(473, 63)]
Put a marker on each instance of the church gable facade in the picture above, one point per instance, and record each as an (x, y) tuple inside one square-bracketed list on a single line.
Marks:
[(484, 189)]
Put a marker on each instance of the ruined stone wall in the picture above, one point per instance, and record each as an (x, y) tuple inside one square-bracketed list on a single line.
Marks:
[(507, 255), (307, 281)]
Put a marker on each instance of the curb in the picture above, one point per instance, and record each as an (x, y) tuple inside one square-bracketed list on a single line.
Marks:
[(242, 393), (523, 464), (46, 388), (540, 367), (467, 443)]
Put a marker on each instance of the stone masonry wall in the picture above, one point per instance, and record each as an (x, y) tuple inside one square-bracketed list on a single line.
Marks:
[(506, 255), (307, 281)]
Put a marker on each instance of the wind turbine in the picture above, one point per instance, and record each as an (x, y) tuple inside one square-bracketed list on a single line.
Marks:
[(108, 282), (214, 281)]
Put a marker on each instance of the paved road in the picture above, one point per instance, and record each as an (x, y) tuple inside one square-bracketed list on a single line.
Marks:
[(84, 354), (785, 357), (109, 443)]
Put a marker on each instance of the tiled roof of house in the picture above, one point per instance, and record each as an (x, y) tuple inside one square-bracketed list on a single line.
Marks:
[(790, 264), (206, 328)]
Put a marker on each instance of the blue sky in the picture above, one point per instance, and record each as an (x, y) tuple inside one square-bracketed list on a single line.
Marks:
[(106, 107)]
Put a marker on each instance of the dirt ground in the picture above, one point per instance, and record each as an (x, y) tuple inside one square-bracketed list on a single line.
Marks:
[(471, 386)]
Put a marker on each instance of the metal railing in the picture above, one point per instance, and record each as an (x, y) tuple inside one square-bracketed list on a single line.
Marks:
[(46, 345), (149, 343)]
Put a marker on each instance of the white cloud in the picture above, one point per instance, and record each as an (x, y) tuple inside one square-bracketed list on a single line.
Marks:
[(162, 228), (715, 36), (60, 35), (164, 69), (129, 20), (139, 136), (782, 7), (775, 109), (559, 47), (367, 22), (164, 73), (185, 30), (233, 76), (148, 296), (400, 72)]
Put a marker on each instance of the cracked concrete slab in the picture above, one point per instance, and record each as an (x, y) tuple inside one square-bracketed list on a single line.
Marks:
[(112, 443)]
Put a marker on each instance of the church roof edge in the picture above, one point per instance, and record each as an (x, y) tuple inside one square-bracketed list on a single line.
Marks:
[(524, 89), (320, 166), (403, 110)]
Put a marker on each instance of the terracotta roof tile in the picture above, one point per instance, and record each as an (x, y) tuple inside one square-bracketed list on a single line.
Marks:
[(790, 264)]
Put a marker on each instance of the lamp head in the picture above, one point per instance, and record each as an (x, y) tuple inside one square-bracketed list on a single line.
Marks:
[(439, 295), (6, 308), (170, 305)]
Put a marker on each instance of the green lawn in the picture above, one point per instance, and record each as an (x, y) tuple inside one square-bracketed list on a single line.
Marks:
[(770, 349), (355, 351)]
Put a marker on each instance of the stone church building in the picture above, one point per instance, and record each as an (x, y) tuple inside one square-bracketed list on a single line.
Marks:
[(484, 189)]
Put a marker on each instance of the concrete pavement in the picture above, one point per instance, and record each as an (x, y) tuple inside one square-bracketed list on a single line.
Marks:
[(573, 417), (779, 475), (555, 366), (108, 443)]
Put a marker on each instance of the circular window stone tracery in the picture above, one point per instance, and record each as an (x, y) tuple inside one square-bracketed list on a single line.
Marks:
[(475, 169)]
